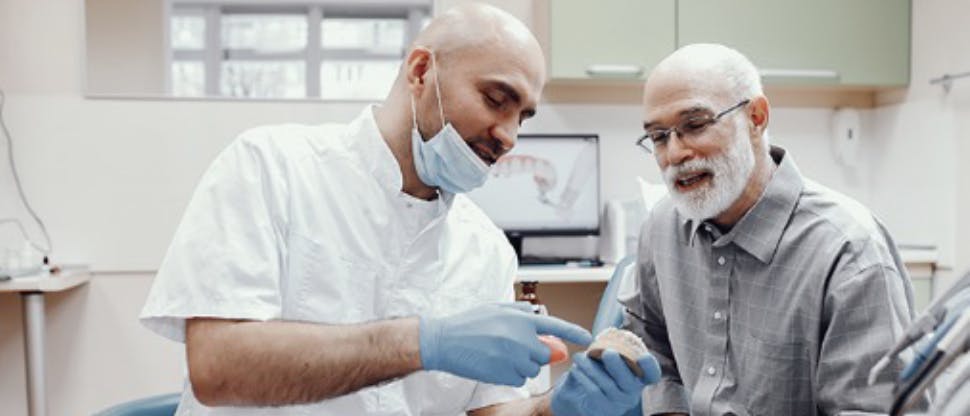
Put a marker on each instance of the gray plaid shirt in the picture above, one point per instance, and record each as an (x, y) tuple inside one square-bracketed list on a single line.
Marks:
[(782, 315)]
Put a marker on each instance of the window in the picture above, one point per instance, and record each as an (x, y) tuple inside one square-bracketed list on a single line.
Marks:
[(187, 42), (328, 49)]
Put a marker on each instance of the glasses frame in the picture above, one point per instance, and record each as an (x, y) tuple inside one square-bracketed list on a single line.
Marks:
[(647, 141)]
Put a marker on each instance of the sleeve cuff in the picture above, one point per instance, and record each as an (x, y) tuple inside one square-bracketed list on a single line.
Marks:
[(168, 318), (665, 397)]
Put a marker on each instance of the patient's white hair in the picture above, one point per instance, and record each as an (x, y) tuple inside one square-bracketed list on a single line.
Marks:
[(713, 61), (718, 61)]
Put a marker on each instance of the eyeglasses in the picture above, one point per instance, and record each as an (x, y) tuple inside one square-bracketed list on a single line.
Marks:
[(689, 128)]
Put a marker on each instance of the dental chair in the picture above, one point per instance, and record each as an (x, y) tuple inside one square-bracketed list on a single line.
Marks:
[(609, 313), (161, 405)]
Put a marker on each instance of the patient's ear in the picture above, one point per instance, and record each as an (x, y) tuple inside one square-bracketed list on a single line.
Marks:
[(760, 112)]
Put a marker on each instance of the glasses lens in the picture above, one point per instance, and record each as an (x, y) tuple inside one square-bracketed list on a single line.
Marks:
[(694, 125)]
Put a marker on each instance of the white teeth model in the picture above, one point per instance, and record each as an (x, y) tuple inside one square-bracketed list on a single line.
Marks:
[(628, 344)]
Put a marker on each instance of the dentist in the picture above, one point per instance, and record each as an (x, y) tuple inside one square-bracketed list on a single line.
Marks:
[(338, 269)]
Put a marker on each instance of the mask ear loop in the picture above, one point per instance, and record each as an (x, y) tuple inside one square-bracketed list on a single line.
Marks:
[(414, 114), (437, 88)]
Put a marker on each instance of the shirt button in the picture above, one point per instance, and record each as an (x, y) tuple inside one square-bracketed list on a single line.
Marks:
[(717, 315), (711, 371), (720, 260)]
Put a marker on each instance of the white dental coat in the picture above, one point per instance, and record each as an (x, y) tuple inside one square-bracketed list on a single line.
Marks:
[(308, 223)]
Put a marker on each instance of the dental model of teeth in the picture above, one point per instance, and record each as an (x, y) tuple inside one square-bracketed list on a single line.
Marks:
[(628, 344)]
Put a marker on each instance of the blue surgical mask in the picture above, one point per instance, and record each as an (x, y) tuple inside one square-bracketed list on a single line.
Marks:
[(445, 160)]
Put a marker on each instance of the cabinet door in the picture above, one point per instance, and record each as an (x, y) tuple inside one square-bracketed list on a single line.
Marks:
[(835, 42), (609, 38)]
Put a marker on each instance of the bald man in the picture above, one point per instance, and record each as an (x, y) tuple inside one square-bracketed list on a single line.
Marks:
[(339, 270), (759, 291)]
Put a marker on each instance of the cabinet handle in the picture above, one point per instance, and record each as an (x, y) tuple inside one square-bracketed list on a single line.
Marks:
[(631, 71), (798, 73)]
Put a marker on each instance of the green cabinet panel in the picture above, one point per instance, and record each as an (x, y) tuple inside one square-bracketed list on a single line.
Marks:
[(830, 42), (609, 38)]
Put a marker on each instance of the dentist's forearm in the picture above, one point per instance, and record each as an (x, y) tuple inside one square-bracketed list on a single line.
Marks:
[(246, 363)]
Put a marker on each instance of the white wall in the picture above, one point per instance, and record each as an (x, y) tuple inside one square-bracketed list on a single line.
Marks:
[(918, 178), (111, 178)]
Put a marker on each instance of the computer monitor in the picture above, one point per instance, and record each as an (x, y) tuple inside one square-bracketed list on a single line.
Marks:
[(547, 185)]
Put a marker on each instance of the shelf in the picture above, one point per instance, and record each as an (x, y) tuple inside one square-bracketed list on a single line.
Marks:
[(565, 274), (66, 279)]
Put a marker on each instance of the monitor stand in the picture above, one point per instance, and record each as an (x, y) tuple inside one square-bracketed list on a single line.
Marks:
[(516, 240)]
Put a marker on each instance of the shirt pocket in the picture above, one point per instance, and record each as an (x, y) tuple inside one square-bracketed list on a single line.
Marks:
[(325, 284), (779, 380)]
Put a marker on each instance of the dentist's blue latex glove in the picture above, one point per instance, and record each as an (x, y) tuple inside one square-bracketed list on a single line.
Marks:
[(602, 388), (495, 344)]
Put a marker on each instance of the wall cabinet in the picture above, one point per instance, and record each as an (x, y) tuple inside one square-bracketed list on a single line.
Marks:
[(609, 39), (858, 43), (833, 42)]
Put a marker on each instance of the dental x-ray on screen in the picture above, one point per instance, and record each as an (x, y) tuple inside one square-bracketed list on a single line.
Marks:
[(547, 184)]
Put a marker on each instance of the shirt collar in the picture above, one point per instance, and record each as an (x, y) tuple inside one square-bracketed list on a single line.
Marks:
[(376, 156), (760, 229)]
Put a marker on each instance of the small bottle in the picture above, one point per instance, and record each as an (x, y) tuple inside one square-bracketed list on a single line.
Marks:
[(529, 295), (542, 382)]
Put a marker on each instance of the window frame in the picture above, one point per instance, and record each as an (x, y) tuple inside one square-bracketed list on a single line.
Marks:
[(213, 54)]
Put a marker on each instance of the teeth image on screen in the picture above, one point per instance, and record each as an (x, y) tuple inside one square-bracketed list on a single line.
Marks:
[(545, 183)]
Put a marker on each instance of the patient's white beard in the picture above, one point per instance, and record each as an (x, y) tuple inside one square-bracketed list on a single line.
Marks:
[(730, 172)]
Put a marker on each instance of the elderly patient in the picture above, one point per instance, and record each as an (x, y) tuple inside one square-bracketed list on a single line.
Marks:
[(759, 291)]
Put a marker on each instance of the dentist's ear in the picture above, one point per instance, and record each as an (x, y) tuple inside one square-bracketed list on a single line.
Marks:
[(417, 65)]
